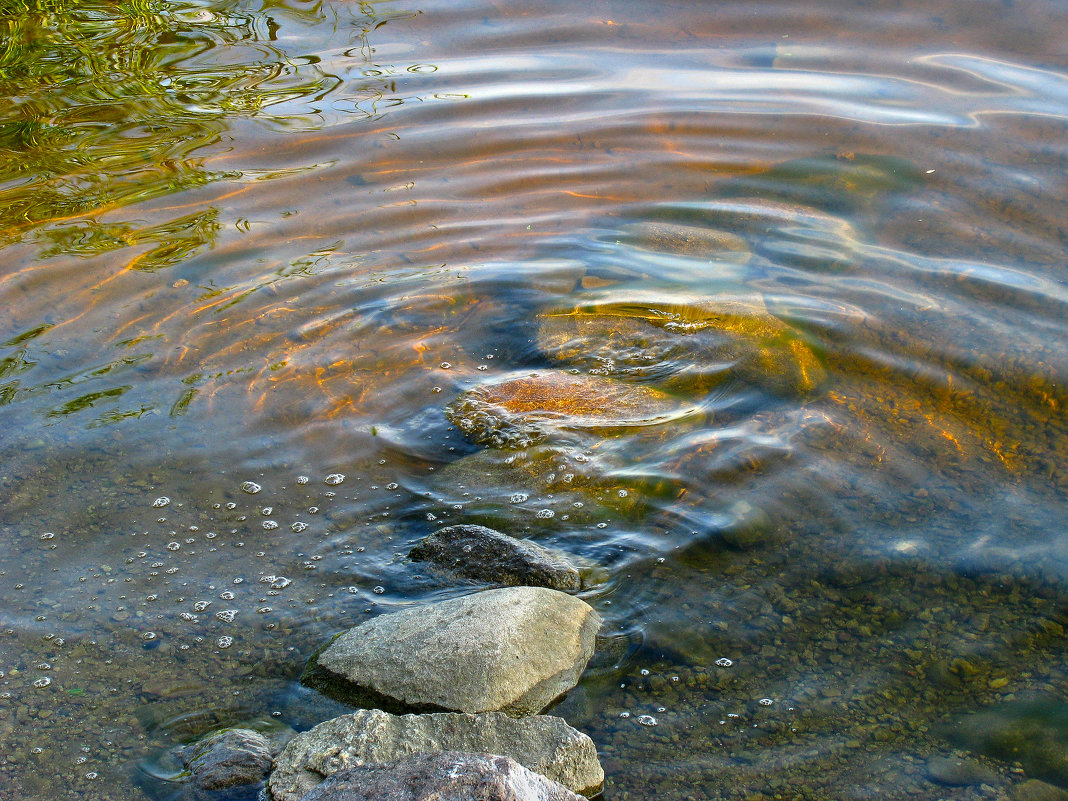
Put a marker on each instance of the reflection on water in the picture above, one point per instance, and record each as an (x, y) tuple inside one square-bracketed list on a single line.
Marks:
[(757, 311)]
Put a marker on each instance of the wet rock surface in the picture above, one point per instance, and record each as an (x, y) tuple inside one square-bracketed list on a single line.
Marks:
[(1035, 790), (958, 771), (449, 775), (228, 759), (684, 344), (524, 409), (483, 554), (544, 744), (512, 650)]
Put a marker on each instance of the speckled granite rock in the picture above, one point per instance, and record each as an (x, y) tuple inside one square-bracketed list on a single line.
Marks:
[(444, 776), (544, 744), (512, 650)]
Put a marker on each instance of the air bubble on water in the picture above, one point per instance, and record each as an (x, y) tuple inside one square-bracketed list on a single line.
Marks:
[(334, 479), (378, 590), (173, 546), (264, 610), (602, 525), (47, 535), (624, 714), (266, 511), (269, 525), (188, 617), (303, 479), (354, 590), (148, 635), (81, 760), (43, 666), (313, 510), (545, 514), (237, 580), (159, 503), (724, 662), (225, 641), (622, 493), (647, 720), (231, 505), (91, 775), (161, 520), (216, 506), (661, 709), (251, 487), (765, 702), (299, 526), (435, 390), (733, 715), (518, 497), (431, 517), (227, 595), (211, 535), (483, 367), (280, 583), (200, 606), (36, 750), (445, 365), (152, 597), (392, 485), (226, 615), (644, 671)]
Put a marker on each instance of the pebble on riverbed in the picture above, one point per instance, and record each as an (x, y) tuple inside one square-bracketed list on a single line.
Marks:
[(483, 554)]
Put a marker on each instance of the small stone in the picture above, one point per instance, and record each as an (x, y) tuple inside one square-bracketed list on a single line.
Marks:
[(481, 553), (227, 759), (541, 743), (513, 650), (451, 775)]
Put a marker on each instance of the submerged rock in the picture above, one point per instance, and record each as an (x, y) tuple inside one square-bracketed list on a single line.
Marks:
[(451, 775), (227, 759), (513, 650), (685, 344), (544, 744), (480, 553), (521, 410), (1035, 790)]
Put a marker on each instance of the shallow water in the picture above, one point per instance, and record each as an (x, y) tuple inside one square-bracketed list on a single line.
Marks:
[(282, 242)]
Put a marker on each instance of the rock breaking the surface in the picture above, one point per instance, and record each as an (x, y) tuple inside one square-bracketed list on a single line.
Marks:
[(483, 554), (541, 743), (513, 650), (449, 775), (228, 758)]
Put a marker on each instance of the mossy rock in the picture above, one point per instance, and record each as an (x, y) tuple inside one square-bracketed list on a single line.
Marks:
[(682, 344)]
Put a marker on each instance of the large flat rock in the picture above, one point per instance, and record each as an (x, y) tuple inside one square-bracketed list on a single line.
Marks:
[(541, 743), (446, 776), (513, 650)]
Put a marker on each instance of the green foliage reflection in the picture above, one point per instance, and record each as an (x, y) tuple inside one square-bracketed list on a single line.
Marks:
[(110, 104)]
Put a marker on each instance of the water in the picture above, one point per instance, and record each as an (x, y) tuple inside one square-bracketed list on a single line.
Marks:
[(791, 282)]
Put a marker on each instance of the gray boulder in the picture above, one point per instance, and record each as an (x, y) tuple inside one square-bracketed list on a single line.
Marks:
[(512, 650), (541, 743), (445, 776), (480, 553), (228, 758)]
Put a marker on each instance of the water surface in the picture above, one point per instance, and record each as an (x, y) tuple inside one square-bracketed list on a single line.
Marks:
[(281, 242)]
